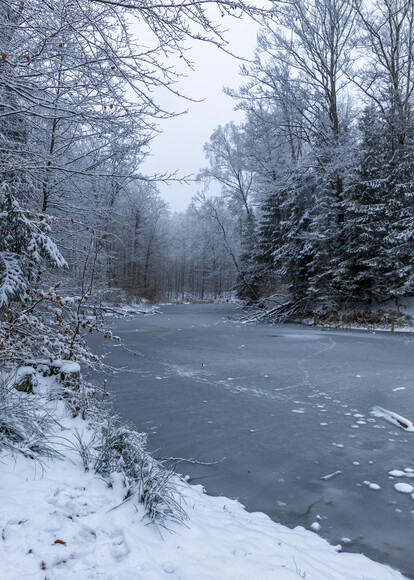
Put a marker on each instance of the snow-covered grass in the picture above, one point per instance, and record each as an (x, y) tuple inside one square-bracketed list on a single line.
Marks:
[(59, 518), (387, 316), (25, 425)]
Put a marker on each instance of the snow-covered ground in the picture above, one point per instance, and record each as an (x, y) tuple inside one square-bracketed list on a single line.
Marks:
[(58, 521), (386, 317)]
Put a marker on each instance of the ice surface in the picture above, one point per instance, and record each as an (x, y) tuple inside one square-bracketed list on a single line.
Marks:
[(284, 459), (63, 522)]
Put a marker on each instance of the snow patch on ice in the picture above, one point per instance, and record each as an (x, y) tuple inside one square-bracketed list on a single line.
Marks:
[(404, 487), (397, 473), (373, 486)]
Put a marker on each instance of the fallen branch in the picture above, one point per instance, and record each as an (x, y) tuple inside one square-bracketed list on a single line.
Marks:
[(331, 475), (191, 460), (393, 418), (278, 314)]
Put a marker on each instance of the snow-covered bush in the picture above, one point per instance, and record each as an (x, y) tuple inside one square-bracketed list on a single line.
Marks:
[(25, 426), (49, 327), (112, 446)]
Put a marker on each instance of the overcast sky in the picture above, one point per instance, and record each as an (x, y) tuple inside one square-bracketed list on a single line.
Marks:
[(180, 146)]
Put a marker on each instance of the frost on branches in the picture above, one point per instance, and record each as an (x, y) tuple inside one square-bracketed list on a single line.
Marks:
[(48, 329), (24, 243)]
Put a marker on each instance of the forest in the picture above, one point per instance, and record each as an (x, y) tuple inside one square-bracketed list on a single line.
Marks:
[(315, 208), (320, 174), (305, 208)]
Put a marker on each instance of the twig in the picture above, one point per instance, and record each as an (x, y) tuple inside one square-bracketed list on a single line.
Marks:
[(191, 460)]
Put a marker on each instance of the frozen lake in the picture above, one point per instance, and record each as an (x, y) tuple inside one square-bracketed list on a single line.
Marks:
[(279, 408)]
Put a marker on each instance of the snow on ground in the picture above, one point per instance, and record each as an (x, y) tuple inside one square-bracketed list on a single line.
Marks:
[(130, 308), (403, 315), (59, 522)]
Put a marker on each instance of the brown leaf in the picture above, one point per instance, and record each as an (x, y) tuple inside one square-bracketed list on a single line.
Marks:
[(60, 542), (3, 55), (43, 566)]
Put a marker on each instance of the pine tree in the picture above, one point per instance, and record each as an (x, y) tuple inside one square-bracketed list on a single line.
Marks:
[(361, 274), (286, 245), (24, 235), (379, 238)]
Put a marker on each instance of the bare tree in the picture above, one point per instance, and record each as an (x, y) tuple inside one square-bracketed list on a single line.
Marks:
[(387, 52)]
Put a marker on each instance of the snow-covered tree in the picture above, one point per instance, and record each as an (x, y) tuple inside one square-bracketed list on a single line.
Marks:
[(230, 167), (386, 80)]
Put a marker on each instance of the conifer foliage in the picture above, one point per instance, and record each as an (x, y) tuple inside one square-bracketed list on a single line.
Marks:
[(333, 189)]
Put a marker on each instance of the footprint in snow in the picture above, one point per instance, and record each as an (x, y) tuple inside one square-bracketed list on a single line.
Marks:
[(118, 548), (70, 502)]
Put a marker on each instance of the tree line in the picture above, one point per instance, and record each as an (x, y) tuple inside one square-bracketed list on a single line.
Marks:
[(316, 199), (320, 173)]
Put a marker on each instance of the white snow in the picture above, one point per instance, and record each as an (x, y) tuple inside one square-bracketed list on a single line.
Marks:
[(59, 522), (404, 487), (374, 486), (397, 473), (70, 367), (23, 372)]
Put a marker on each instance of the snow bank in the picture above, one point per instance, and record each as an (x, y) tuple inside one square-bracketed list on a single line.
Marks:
[(59, 525)]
